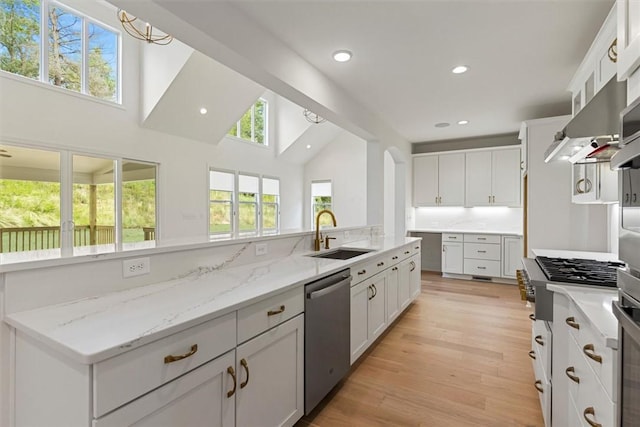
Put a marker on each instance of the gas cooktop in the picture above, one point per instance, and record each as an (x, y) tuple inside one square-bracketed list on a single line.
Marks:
[(580, 271)]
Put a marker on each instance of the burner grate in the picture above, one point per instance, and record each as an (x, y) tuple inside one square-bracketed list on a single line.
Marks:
[(580, 271)]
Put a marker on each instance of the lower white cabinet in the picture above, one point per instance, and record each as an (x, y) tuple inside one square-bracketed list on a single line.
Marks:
[(392, 299), (415, 276), (368, 313), (452, 257), (404, 287), (270, 377), (512, 254)]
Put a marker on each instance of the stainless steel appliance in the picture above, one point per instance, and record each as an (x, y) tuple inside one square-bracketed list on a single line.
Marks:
[(327, 333)]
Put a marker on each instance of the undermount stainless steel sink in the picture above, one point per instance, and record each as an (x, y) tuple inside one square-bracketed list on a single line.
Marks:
[(342, 253)]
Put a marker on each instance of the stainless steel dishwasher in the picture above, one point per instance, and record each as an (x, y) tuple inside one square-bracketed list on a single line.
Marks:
[(327, 335)]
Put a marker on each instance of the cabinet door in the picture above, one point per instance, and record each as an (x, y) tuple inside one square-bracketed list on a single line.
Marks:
[(404, 283), (505, 177), (451, 179), (478, 178), (359, 319), (377, 319), (628, 37), (511, 256), (270, 371), (416, 276), (425, 181), (393, 303), (452, 257), (199, 398), (560, 360)]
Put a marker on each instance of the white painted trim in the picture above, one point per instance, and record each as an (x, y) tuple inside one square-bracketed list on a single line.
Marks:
[(467, 150)]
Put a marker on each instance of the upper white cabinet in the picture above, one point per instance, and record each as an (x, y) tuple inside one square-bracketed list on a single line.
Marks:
[(628, 20), (493, 178), (438, 180)]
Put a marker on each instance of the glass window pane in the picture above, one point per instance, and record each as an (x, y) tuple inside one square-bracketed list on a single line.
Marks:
[(65, 49), (93, 202), (221, 188), (270, 203), (29, 199), (103, 63), (138, 201), (321, 199), (220, 218), (259, 121), (245, 126), (20, 37), (248, 214)]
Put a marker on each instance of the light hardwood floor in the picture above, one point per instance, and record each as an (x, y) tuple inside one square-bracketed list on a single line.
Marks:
[(456, 357)]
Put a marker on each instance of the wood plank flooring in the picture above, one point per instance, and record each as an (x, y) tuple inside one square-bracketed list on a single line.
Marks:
[(456, 357)]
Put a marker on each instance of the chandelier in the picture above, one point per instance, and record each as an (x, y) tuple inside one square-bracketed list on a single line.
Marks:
[(141, 31), (313, 117)]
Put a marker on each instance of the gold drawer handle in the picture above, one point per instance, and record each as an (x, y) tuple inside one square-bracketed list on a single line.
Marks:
[(538, 386), (274, 312), (245, 365), (588, 350), (538, 339), (231, 372), (592, 412), (170, 358), (532, 354), (532, 317), (361, 272), (570, 371), (571, 321)]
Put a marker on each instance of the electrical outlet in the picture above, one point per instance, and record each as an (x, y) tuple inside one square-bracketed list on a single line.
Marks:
[(261, 249), (136, 267)]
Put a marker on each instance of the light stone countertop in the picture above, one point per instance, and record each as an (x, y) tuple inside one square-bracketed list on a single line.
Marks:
[(595, 304), (466, 231), (93, 329)]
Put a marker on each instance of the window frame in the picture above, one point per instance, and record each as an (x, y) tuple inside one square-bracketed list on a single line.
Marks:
[(276, 204), (313, 204), (252, 109)]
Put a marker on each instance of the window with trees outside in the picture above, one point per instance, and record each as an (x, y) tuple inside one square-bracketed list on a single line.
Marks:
[(252, 126), (321, 198), (270, 205), (221, 196), (75, 52), (33, 216)]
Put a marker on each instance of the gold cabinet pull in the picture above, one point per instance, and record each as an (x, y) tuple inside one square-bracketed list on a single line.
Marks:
[(571, 321), (612, 52), (413, 265), (592, 412), (274, 312), (361, 272), (538, 339), (532, 317), (380, 264), (372, 294), (231, 372), (375, 291), (538, 386), (532, 354), (395, 257), (588, 350), (570, 371), (394, 269), (245, 365), (170, 358)]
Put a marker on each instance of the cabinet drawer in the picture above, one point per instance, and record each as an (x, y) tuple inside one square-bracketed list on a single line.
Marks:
[(263, 315), (481, 267), (541, 342), (543, 386), (482, 251), (482, 238), (452, 237), (364, 270), (122, 378)]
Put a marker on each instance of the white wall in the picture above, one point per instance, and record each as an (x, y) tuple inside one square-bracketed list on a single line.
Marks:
[(344, 162), (499, 219)]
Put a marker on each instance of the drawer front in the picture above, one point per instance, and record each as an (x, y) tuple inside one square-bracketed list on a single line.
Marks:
[(364, 270), (480, 267), (264, 315), (543, 387), (482, 251), (452, 237), (122, 378), (541, 342), (482, 238)]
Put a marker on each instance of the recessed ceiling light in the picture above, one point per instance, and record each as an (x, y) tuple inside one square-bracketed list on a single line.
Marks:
[(441, 125), (463, 122), (308, 146), (460, 69), (203, 111), (342, 55), (564, 157), (577, 148)]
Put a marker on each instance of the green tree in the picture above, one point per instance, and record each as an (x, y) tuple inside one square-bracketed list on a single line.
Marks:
[(20, 37)]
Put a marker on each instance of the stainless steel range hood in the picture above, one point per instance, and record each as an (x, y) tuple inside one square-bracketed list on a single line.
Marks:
[(594, 129)]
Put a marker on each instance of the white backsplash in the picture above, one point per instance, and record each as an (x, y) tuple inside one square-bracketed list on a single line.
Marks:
[(500, 219)]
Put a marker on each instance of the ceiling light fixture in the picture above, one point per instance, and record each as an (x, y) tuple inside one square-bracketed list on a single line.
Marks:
[(441, 125), (203, 111), (342, 55), (313, 117), (140, 32), (463, 122), (460, 69), (308, 146)]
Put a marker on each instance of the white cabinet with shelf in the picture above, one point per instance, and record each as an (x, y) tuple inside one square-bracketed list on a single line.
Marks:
[(493, 178), (452, 256), (438, 180), (368, 313), (512, 253), (628, 31), (594, 183)]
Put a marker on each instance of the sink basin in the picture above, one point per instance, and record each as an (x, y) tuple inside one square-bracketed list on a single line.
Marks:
[(342, 253)]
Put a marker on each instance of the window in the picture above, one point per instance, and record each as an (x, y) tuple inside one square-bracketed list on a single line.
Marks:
[(320, 199), (81, 54), (241, 204), (43, 207), (252, 126)]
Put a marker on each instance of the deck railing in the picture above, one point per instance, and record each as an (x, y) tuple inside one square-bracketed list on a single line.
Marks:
[(18, 239)]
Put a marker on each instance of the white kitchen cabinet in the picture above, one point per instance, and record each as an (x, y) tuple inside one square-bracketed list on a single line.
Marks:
[(541, 354), (406, 269), (368, 313), (452, 257), (492, 178), (594, 182), (438, 180), (202, 397), (392, 299), (512, 253), (270, 376), (376, 310), (482, 255), (415, 276), (628, 44)]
